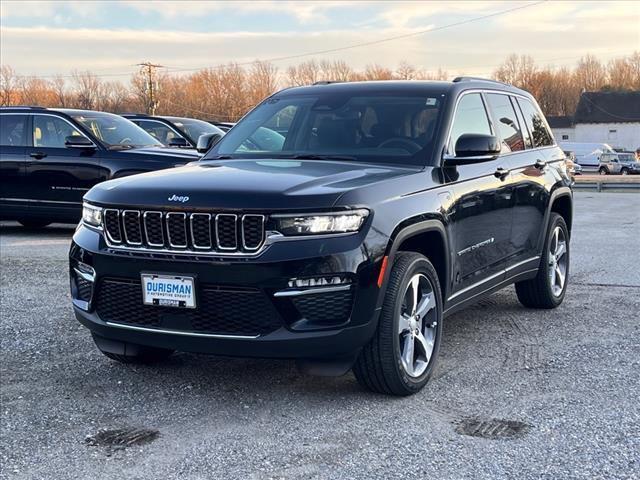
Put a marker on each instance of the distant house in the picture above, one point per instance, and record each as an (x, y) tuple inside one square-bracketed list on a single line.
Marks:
[(602, 117)]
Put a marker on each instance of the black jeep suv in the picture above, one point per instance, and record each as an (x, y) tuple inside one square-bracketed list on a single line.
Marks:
[(51, 157), (380, 208), (174, 131)]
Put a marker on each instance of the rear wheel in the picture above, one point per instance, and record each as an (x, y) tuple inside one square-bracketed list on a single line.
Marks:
[(401, 356), (548, 288), (132, 353), (33, 224)]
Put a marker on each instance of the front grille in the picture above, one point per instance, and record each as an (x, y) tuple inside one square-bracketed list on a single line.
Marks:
[(181, 231), (222, 311), (325, 308)]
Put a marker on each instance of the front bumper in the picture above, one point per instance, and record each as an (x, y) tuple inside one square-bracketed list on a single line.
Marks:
[(265, 323)]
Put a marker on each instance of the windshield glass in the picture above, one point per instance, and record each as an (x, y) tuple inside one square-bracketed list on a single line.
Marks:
[(194, 128), (626, 157), (395, 128), (114, 131)]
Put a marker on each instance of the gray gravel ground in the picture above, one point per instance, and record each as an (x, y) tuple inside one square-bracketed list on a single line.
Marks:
[(570, 376)]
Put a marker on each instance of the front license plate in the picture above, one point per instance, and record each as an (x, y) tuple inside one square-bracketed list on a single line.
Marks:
[(168, 291)]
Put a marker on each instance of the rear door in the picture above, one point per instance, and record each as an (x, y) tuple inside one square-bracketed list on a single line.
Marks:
[(60, 176), (481, 215), (13, 146)]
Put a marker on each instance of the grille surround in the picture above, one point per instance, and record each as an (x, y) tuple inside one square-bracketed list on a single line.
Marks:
[(194, 233)]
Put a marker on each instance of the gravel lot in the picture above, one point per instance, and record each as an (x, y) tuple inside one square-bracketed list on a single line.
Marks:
[(559, 389)]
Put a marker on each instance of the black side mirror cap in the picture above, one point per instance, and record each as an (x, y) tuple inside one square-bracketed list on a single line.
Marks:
[(474, 148), (206, 141), (78, 141), (178, 142)]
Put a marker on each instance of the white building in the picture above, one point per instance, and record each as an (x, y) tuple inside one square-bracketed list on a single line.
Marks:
[(602, 117)]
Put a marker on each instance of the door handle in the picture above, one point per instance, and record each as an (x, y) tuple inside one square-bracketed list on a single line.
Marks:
[(540, 165), (37, 155), (501, 173)]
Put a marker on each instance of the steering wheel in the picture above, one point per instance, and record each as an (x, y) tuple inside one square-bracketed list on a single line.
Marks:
[(126, 141), (405, 143)]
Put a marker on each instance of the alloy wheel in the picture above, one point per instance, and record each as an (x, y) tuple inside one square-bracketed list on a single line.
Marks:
[(557, 261), (417, 326)]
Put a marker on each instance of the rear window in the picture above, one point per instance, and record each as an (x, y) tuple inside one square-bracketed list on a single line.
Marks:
[(535, 122), (13, 130), (507, 122)]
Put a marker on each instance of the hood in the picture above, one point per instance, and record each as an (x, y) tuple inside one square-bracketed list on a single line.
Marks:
[(244, 184), (188, 154)]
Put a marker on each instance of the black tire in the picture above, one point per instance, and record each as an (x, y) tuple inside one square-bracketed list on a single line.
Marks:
[(624, 171), (603, 171), (537, 292), (139, 354), (33, 224), (379, 367)]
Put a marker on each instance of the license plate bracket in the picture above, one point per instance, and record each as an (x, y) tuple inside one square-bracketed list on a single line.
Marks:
[(166, 290)]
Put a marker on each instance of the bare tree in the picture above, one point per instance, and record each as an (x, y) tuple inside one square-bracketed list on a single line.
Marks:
[(8, 85), (590, 74), (87, 89)]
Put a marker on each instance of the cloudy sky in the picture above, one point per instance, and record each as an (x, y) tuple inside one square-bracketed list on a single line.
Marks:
[(56, 37)]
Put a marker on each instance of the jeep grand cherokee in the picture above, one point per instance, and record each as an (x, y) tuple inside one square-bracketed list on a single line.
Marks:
[(378, 209)]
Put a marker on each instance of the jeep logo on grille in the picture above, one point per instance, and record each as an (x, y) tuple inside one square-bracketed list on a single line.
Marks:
[(178, 198)]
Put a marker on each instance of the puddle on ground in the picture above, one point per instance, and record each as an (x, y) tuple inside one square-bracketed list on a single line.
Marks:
[(121, 438), (491, 428)]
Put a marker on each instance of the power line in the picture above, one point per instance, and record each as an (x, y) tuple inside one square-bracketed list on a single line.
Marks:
[(149, 69)]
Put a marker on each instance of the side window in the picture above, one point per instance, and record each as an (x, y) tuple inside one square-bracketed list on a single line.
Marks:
[(157, 130), (50, 132), (507, 122), (535, 121), (13, 130), (470, 117)]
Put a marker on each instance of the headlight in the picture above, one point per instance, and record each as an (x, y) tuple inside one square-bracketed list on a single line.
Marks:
[(317, 224), (91, 215)]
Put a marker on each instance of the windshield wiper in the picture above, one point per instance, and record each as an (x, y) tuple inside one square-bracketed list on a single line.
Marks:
[(121, 147), (220, 157), (314, 156)]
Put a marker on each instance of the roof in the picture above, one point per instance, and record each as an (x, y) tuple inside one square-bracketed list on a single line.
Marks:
[(560, 121), (608, 107)]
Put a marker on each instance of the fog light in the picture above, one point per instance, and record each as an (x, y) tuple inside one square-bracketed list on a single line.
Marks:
[(84, 271), (319, 281)]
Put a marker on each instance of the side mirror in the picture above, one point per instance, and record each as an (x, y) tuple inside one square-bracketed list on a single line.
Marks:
[(78, 141), (474, 148), (179, 142), (206, 141)]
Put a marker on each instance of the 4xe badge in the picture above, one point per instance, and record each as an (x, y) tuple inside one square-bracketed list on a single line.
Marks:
[(178, 198)]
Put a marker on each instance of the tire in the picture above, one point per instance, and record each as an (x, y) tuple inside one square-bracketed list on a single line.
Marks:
[(380, 366), (139, 354), (603, 171), (33, 224), (624, 171), (539, 291)]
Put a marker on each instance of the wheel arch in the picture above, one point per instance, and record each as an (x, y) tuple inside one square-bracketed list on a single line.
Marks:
[(561, 202)]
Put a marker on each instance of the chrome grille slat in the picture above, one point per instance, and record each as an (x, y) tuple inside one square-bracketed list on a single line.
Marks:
[(185, 232)]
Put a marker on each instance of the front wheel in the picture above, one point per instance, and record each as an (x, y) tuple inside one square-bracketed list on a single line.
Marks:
[(548, 288), (401, 356), (624, 171), (603, 171)]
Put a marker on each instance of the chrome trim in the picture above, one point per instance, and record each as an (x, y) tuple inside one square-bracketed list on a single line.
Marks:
[(104, 221), (85, 276), (144, 223), (312, 291), (124, 226), (193, 237), (235, 224), (333, 213), (262, 232), (184, 227), (38, 201), (178, 332)]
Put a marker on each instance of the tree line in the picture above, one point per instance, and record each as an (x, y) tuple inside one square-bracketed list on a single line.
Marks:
[(225, 93)]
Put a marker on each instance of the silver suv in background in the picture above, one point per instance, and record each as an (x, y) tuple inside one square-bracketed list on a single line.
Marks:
[(623, 163)]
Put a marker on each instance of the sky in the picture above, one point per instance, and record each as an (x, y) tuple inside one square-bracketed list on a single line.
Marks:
[(45, 38)]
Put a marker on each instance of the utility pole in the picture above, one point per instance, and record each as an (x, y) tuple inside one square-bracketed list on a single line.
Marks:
[(148, 69)]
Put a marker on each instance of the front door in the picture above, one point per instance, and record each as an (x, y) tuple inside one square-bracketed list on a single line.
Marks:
[(60, 176), (481, 216)]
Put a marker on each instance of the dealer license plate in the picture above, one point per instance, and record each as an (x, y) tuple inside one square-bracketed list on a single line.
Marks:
[(168, 291)]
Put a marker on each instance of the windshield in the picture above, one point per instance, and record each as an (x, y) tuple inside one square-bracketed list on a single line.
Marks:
[(194, 128), (376, 128), (114, 131)]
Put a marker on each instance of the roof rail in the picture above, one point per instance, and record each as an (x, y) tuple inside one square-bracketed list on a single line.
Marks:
[(33, 107), (327, 82), (478, 79)]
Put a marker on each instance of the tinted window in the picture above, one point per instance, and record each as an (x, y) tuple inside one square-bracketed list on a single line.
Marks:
[(193, 127), (471, 117), (377, 127), (50, 132), (157, 130), (115, 132), (535, 122), (13, 129), (507, 122)]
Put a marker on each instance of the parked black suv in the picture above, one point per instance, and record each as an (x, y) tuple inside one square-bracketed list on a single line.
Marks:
[(386, 207), (174, 131), (51, 157)]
